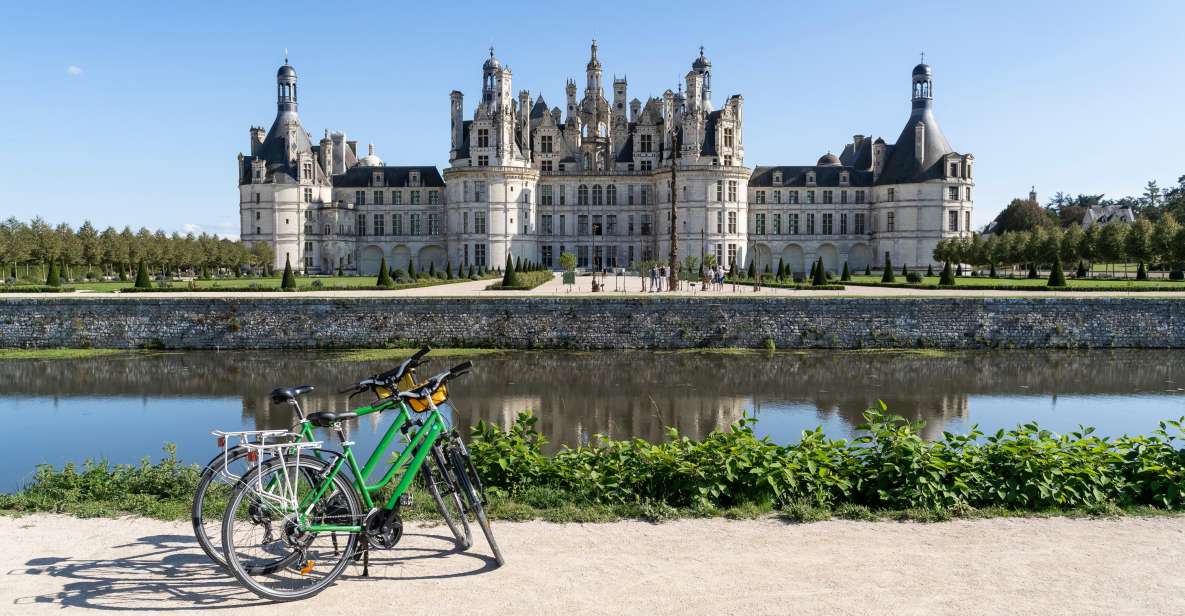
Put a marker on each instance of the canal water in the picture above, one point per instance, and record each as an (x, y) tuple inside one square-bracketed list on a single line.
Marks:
[(126, 407)]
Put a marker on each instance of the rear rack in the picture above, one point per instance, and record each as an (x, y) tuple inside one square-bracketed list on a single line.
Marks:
[(242, 438), (284, 492)]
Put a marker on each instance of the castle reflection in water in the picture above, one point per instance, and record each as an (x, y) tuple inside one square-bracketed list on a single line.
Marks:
[(627, 394)]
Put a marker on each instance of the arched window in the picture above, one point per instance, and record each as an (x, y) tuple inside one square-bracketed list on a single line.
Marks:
[(582, 195), (611, 194), (597, 197)]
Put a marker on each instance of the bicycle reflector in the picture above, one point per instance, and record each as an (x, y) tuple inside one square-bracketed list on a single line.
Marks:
[(221, 441), (307, 568)]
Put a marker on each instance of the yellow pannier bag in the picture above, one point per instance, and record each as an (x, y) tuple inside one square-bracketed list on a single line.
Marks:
[(406, 383), (420, 405)]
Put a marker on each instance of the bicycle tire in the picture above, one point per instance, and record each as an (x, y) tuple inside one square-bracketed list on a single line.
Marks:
[(461, 466), (210, 539), (457, 522), (247, 573)]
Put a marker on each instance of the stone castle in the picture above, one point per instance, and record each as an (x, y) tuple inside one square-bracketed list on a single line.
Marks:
[(594, 179)]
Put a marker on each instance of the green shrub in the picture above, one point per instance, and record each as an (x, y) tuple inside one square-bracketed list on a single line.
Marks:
[(913, 278), (887, 276), (142, 281), (1141, 272), (1057, 278), (384, 279), (820, 277), (846, 275), (288, 282), (947, 279)]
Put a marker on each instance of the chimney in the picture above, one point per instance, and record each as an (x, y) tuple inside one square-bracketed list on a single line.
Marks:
[(353, 145), (457, 120)]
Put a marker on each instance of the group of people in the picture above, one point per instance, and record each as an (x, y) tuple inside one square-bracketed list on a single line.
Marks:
[(660, 276), (711, 278)]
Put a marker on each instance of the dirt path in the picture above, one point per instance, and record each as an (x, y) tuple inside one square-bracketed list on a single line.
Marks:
[(1002, 566)]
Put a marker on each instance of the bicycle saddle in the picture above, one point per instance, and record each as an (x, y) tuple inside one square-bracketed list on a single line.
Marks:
[(326, 419), (281, 395)]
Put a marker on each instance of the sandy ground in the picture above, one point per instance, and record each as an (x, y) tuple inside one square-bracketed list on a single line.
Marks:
[(1001, 566), (624, 286)]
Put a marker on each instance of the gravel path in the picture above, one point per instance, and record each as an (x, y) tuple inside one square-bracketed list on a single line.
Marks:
[(1000, 566)]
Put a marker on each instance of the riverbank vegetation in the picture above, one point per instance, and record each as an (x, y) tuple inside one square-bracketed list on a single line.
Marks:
[(888, 471), (52, 354)]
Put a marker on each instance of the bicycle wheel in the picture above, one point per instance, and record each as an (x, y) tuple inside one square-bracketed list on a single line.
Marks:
[(209, 500), (265, 547), (470, 488), (442, 486)]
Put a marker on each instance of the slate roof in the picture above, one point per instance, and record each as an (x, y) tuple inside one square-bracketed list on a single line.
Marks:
[(795, 177), (902, 166), (709, 146), (394, 177)]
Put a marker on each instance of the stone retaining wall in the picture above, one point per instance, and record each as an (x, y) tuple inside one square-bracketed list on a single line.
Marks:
[(600, 323)]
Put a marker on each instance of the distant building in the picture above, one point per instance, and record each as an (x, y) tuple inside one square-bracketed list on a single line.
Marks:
[(594, 179), (1103, 214)]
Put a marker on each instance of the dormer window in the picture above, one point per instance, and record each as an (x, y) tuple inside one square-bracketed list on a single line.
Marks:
[(810, 178), (954, 170), (843, 178), (414, 178), (307, 171), (376, 178), (777, 178)]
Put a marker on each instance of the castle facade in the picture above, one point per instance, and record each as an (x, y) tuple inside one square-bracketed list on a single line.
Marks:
[(594, 178)]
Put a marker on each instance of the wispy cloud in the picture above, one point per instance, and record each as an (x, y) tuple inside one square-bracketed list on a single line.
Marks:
[(73, 71)]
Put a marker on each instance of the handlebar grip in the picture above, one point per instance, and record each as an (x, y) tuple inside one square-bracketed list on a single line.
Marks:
[(460, 368), (422, 352)]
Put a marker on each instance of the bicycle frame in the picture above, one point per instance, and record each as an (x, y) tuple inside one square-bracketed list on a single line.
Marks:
[(409, 461)]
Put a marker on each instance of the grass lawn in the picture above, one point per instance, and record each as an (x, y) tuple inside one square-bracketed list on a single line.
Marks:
[(44, 354), (302, 283), (1017, 283)]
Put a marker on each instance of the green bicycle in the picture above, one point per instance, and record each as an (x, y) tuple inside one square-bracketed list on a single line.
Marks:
[(226, 470), (296, 521)]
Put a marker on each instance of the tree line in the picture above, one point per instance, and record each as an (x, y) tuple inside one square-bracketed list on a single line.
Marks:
[(1065, 210), (27, 249), (1160, 243)]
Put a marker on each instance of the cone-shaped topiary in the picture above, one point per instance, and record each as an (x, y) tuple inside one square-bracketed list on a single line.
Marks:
[(888, 275), (510, 275), (411, 270), (1057, 278), (947, 278), (288, 282), (959, 270), (930, 270), (448, 269), (868, 269), (384, 279), (811, 274), (767, 271), (1082, 271), (1033, 271), (52, 278), (992, 272), (781, 269), (142, 281), (820, 277), (1141, 272), (846, 276), (905, 270), (752, 272)]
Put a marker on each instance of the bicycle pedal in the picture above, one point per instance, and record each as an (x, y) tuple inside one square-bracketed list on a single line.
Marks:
[(307, 568)]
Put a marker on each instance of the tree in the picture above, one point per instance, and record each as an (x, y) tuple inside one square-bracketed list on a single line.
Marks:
[(384, 279), (411, 270), (904, 269), (1139, 240), (509, 276), (1141, 272), (1072, 240), (89, 246), (51, 278), (867, 269), (448, 269), (947, 279), (781, 269), (142, 281), (929, 270), (846, 276), (888, 275), (752, 271), (1082, 271), (1057, 278), (1163, 237), (567, 261), (1112, 246), (288, 282), (820, 274), (1022, 215), (432, 269)]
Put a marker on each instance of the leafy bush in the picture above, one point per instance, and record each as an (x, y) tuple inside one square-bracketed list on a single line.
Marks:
[(524, 281), (913, 277), (888, 467)]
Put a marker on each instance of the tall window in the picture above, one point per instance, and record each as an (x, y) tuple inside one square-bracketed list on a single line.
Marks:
[(645, 191), (598, 197), (719, 221), (582, 195), (828, 220), (777, 224), (546, 254), (952, 192), (611, 224), (858, 224), (479, 222), (397, 224), (380, 224), (415, 197), (792, 224), (630, 225), (397, 195), (859, 196), (720, 190), (546, 194), (611, 195), (952, 223), (892, 196), (760, 196), (646, 224), (810, 196), (479, 191), (792, 198), (545, 223), (843, 196), (307, 173), (810, 224), (777, 196), (434, 197), (308, 195), (732, 190), (967, 221), (732, 222), (843, 224), (362, 224), (545, 144), (759, 223), (417, 224), (827, 197), (546, 166), (433, 223), (563, 225), (597, 228), (728, 137), (582, 224), (479, 255), (890, 221), (360, 197), (647, 144), (464, 222), (483, 137)]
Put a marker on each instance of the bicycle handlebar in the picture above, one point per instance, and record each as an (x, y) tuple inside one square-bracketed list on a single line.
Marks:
[(388, 377)]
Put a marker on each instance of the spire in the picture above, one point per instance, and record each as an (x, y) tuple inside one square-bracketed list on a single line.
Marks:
[(286, 87)]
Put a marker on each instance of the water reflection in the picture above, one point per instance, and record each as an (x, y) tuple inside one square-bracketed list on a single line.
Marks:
[(125, 407)]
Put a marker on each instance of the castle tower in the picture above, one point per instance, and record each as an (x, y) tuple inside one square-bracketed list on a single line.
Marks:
[(286, 88), (592, 72), (457, 122), (703, 67)]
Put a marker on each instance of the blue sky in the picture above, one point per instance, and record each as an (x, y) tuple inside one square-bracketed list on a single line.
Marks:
[(132, 113)]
